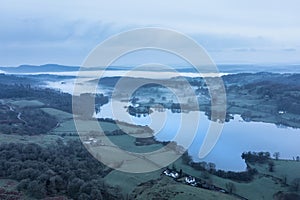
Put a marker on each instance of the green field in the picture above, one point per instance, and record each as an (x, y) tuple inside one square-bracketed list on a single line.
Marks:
[(86, 126), (283, 168), (58, 114), (166, 188), (27, 103), (129, 181)]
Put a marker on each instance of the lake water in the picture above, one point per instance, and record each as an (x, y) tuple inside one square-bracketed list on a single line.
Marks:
[(237, 135)]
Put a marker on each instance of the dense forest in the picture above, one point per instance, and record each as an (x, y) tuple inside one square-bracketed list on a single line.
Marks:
[(60, 169), (33, 122)]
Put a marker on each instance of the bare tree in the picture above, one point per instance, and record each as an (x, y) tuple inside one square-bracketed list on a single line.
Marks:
[(276, 155), (271, 166), (211, 167)]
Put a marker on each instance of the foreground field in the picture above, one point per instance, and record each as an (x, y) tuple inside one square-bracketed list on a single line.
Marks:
[(264, 185), (166, 188)]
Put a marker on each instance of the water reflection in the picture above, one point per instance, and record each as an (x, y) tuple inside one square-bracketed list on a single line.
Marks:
[(237, 136)]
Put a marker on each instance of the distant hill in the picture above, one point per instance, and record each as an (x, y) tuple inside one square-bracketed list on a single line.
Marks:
[(224, 68), (53, 68), (41, 68)]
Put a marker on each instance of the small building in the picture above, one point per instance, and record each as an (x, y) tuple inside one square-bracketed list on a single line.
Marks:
[(167, 172), (93, 141), (87, 142), (190, 180), (172, 174), (281, 112)]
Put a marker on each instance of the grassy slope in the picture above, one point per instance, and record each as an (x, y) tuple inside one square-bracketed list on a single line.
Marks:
[(288, 168), (58, 114), (85, 126), (166, 188), (128, 181), (27, 103)]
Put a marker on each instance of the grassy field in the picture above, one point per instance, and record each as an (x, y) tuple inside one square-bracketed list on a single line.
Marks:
[(129, 181), (86, 126), (27, 103), (166, 188), (126, 142), (58, 114), (258, 189), (282, 168), (128, 161)]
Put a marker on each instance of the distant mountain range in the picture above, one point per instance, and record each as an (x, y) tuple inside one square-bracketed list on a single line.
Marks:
[(41, 68), (233, 68)]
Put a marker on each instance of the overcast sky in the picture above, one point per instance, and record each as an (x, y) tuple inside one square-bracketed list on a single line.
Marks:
[(232, 31)]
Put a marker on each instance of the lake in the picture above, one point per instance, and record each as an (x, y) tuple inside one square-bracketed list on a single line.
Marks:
[(237, 135)]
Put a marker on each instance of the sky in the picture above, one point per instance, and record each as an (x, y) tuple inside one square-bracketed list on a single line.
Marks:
[(231, 31)]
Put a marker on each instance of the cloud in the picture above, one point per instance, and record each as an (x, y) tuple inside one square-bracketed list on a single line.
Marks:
[(66, 31), (289, 49), (245, 50)]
